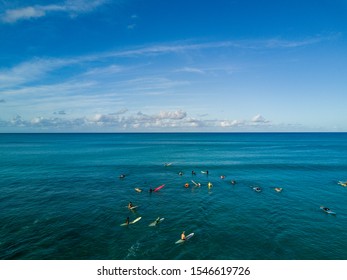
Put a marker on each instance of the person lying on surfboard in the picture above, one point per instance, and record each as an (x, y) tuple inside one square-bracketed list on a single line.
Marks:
[(183, 236)]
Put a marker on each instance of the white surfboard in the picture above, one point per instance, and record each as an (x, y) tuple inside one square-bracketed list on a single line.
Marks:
[(132, 222), (328, 211), (189, 236), (196, 184)]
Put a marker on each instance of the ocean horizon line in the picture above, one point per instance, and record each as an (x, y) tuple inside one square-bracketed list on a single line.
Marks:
[(187, 132)]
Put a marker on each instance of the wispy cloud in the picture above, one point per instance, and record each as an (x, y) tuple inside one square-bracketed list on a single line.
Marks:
[(191, 70), (71, 7), (30, 71), (36, 68)]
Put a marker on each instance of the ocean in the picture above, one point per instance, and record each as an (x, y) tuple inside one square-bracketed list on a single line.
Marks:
[(62, 197)]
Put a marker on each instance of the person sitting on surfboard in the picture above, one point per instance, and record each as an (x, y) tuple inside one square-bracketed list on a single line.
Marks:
[(150, 190), (157, 220), (127, 220), (326, 209), (130, 205), (183, 236)]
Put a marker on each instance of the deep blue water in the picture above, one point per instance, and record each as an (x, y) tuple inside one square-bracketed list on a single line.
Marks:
[(61, 196)]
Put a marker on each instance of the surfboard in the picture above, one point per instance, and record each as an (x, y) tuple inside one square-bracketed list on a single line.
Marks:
[(136, 220), (278, 189), (196, 184), (155, 222), (138, 190), (167, 164), (204, 172), (189, 236), (327, 211), (159, 188), (132, 222), (342, 184)]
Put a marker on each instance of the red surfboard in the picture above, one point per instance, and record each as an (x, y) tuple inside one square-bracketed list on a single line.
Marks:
[(159, 188)]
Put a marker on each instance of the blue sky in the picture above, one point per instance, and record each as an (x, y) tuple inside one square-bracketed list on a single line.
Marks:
[(153, 65)]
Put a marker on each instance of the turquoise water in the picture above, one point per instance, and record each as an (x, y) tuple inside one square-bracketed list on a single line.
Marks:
[(61, 196)]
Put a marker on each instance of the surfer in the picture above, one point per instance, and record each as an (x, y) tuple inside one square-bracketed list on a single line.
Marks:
[(150, 190), (193, 173), (130, 205), (121, 176), (127, 221), (233, 182), (326, 209), (157, 220), (222, 177), (183, 236), (207, 172), (180, 173)]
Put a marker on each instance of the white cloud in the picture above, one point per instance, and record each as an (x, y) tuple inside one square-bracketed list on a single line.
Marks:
[(18, 121), (259, 119), (123, 120), (231, 123), (72, 7), (174, 115)]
